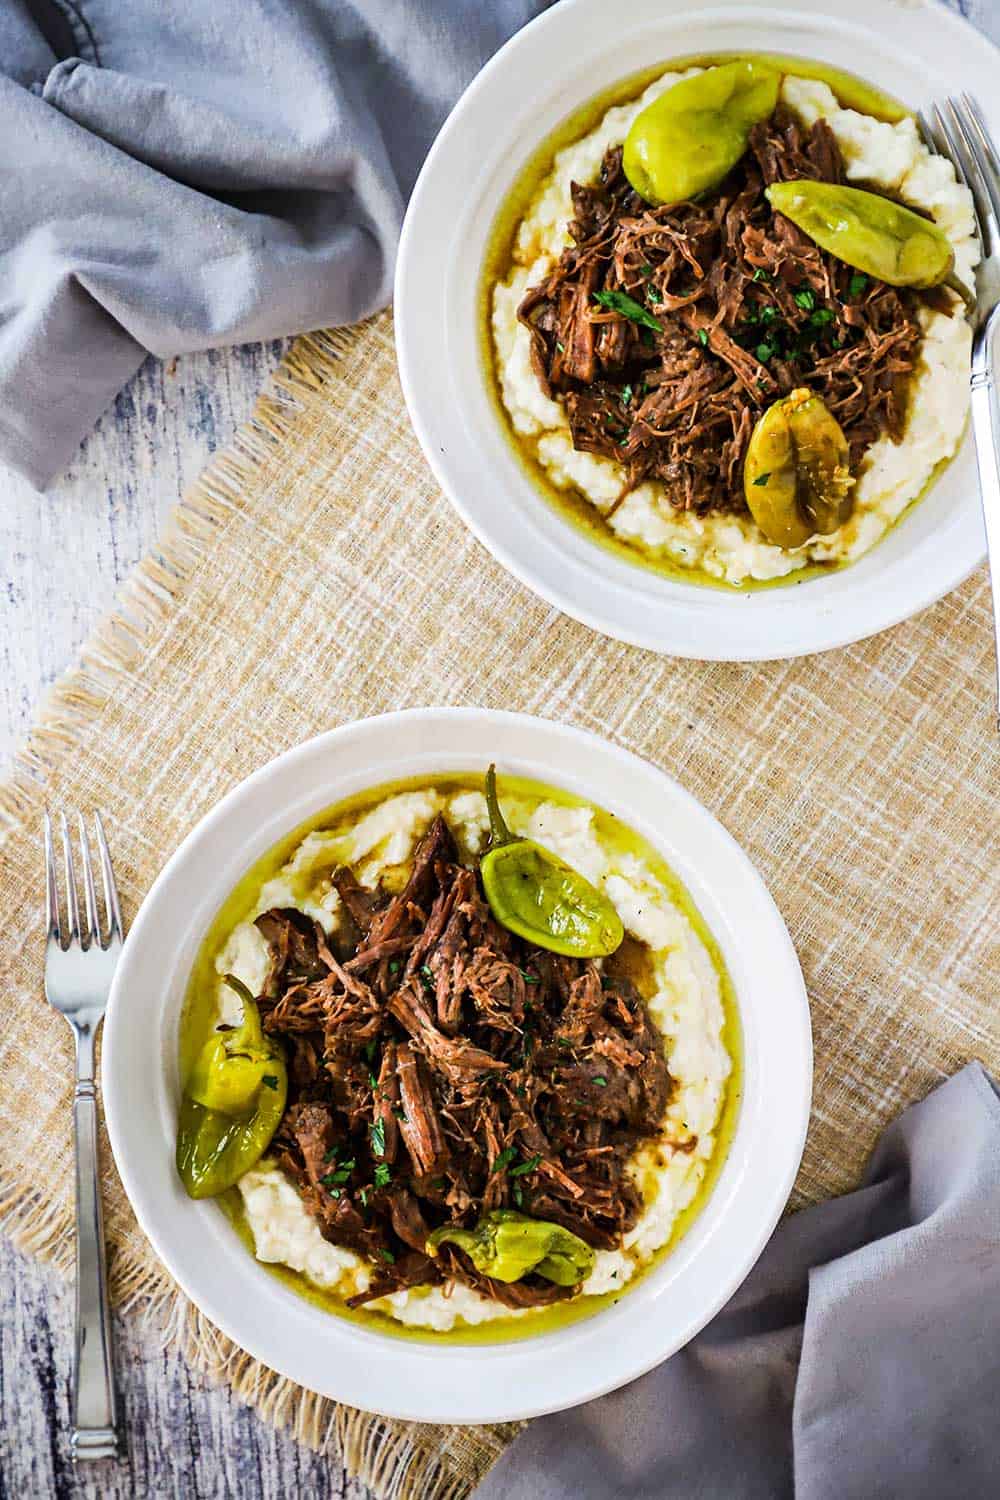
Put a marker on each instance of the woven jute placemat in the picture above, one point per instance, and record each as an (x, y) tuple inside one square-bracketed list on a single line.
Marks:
[(315, 575)]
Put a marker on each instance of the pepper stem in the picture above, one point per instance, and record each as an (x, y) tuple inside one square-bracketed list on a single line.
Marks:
[(499, 832), (249, 1032), (238, 987), (955, 284)]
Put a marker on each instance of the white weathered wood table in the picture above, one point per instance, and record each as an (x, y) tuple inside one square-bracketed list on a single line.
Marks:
[(63, 554)]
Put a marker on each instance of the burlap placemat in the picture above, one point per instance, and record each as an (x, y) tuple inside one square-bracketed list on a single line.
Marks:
[(317, 574)]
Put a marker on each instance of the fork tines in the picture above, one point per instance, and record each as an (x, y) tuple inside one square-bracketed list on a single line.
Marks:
[(92, 934), (956, 129)]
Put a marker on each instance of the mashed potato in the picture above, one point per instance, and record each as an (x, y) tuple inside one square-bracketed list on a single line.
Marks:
[(731, 547), (686, 1005)]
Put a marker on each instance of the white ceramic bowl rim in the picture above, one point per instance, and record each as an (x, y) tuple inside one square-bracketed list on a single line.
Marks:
[(419, 1380), (917, 51)]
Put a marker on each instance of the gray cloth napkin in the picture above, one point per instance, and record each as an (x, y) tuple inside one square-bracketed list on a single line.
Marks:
[(860, 1360), (177, 176)]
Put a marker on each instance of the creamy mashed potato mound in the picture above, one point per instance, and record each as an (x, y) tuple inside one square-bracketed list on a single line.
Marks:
[(731, 547), (686, 1005)]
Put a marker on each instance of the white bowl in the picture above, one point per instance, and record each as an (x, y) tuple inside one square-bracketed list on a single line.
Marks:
[(916, 51), (454, 1383)]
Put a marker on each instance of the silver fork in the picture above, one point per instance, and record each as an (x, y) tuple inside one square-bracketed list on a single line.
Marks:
[(956, 129), (78, 970)]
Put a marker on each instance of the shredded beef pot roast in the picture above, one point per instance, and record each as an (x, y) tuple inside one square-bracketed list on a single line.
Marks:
[(748, 307), (440, 1067)]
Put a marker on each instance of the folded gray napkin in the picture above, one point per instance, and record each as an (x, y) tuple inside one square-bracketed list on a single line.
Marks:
[(177, 176), (860, 1360)]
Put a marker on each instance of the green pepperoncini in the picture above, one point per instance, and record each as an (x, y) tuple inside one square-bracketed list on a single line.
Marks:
[(533, 892), (689, 138), (507, 1245), (796, 475), (233, 1103), (871, 233)]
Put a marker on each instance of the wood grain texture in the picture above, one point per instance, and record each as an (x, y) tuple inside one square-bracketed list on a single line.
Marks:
[(64, 553), (185, 1439)]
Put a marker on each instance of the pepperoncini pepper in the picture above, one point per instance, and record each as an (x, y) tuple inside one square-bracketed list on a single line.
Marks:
[(533, 892), (508, 1245), (688, 139), (232, 1104), (871, 233), (796, 475)]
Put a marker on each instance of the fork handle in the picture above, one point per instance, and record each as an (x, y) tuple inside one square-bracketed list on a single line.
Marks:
[(94, 1413), (986, 429)]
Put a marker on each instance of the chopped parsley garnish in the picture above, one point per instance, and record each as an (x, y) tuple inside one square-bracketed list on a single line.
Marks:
[(768, 313), (806, 299), (560, 346), (388, 1255), (427, 976), (341, 1175), (382, 1175), (764, 351), (525, 1166), (518, 1195), (373, 1082), (504, 1159), (857, 284), (762, 479), (395, 964), (363, 1195), (269, 1081), (761, 275), (654, 294), (378, 1137), (628, 307), (626, 398), (703, 337), (600, 1081), (399, 1112), (332, 1154), (821, 317), (647, 270)]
